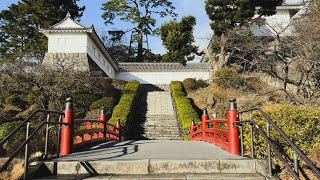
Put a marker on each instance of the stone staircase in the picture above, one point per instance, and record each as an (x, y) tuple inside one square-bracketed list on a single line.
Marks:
[(155, 117)]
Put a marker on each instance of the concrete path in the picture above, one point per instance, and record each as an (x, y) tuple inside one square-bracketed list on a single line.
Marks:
[(157, 159), (152, 149)]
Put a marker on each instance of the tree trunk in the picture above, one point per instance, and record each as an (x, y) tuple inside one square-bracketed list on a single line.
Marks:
[(140, 45), (222, 48), (286, 74)]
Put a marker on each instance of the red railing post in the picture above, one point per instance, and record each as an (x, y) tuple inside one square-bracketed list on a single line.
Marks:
[(215, 127), (191, 129), (204, 118), (233, 131), (102, 119), (89, 126), (118, 127), (67, 130)]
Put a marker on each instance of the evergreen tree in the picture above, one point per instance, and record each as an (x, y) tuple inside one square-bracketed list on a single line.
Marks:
[(227, 14), (140, 13), (19, 36), (177, 37)]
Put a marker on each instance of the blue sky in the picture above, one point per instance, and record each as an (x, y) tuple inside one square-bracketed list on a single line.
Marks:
[(93, 12)]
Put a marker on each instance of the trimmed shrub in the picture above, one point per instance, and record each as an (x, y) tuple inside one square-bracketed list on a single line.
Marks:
[(191, 84), (184, 108), (228, 77), (82, 102), (301, 123), (107, 103), (124, 108)]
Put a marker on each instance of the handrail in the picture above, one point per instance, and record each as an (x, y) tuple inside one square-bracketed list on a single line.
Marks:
[(28, 120), (5, 165), (271, 144)]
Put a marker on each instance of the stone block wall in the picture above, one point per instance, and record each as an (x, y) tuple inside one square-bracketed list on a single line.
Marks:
[(67, 61)]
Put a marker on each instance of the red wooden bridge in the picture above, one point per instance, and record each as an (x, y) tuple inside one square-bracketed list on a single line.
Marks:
[(96, 147)]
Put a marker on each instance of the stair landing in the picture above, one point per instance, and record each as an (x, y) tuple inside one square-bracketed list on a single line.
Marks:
[(152, 159)]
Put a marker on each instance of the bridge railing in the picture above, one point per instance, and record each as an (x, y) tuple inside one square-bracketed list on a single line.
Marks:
[(72, 139), (228, 134), (220, 132), (68, 138), (104, 131)]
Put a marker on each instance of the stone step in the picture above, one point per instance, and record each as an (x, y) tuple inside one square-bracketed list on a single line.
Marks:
[(163, 137), (252, 176), (161, 119), (164, 125), (159, 130), (162, 134), (152, 166)]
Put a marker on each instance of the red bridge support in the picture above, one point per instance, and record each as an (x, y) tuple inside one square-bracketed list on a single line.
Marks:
[(67, 130), (233, 131), (204, 119)]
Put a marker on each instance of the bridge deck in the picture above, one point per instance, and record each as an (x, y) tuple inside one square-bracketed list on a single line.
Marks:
[(151, 149)]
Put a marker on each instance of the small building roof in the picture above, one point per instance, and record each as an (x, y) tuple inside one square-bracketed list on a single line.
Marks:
[(67, 25), (163, 67)]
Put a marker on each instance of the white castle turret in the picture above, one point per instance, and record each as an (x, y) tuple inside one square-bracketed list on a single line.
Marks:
[(74, 46)]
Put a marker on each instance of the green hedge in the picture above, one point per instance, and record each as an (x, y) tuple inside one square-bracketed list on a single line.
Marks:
[(184, 108), (124, 107)]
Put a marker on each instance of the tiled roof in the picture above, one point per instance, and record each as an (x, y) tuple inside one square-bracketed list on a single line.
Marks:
[(165, 67), (67, 29), (68, 16)]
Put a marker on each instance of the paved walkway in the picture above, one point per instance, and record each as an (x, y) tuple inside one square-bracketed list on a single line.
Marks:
[(152, 149)]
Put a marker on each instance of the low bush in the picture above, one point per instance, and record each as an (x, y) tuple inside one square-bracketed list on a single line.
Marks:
[(185, 111), (301, 123), (15, 100), (124, 107), (191, 84), (13, 143), (107, 103), (228, 77)]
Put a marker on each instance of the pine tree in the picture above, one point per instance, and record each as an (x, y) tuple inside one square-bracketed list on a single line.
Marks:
[(140, 13), (177, 37), (19, 37), (227, 14)]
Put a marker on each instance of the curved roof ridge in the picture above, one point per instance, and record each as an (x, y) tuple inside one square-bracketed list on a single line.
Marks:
[(68, 16)]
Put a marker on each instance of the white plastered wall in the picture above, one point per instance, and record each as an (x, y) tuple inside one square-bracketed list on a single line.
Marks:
[(96, 54), (67, 43), (161, 77), (277, 23)]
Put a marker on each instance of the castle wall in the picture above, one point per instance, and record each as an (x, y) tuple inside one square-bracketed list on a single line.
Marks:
[(67, 43), (161, 77)]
